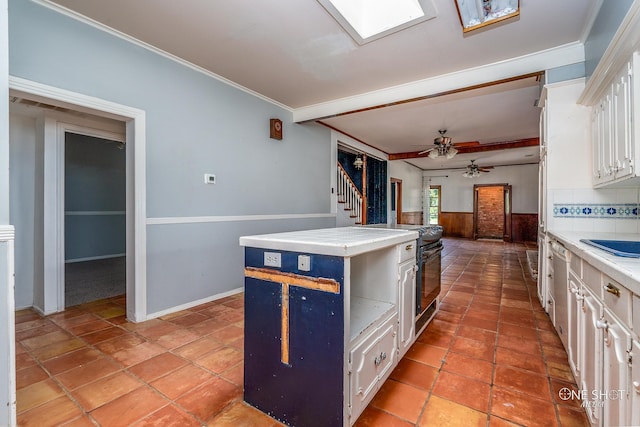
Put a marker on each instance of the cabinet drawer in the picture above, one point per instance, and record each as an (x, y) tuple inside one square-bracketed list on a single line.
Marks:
[(617, 299), (592, 278), (407, 251), (575, 264)]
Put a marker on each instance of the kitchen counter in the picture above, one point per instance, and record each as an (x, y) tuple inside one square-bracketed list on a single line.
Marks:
[(341, 241), (626, 271)]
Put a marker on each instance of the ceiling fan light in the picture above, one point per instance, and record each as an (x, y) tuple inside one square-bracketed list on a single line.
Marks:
[(358, 162), (433, 154), (451, 152)]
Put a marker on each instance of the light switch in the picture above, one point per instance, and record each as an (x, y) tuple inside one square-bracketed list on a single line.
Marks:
[(304, 263), (209, 178)]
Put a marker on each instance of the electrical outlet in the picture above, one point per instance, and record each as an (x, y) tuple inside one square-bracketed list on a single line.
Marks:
[(209, 178), (304, 263), (272, 259)]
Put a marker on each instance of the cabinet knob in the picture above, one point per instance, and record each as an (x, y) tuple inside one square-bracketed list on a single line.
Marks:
[(408, 247), (602, 324)]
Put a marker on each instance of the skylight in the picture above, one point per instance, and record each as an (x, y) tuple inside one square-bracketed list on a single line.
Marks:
[(368, 20)]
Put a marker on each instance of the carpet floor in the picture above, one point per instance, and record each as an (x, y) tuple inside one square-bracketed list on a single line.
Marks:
[(88, 281)]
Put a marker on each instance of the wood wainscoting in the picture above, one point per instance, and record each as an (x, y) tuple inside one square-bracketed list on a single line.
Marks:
[(524, 227), (414, 218), (457, 224)]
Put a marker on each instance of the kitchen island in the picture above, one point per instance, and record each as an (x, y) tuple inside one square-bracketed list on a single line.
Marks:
[(322, 313)]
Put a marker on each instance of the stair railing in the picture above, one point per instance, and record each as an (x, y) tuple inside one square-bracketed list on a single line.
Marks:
[(349, 195)]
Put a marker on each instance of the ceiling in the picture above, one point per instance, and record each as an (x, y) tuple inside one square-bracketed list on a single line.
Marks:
[(296, 55)]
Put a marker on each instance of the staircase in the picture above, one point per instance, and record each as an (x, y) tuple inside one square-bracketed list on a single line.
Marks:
[(349, 196)]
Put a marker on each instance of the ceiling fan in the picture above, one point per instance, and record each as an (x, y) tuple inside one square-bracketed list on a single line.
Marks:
[(443, 146), (474, 170)]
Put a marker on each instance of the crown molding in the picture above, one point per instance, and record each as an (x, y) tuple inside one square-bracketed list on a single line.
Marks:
[(112, 31)]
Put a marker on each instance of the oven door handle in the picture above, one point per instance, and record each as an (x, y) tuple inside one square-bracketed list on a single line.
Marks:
[(428, 253)]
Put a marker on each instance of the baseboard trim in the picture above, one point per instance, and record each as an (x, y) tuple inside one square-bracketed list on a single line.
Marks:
[(194, 303)]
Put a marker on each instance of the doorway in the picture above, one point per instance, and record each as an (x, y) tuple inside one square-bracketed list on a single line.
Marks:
[(94, 216), (492, 212), (49, 297), (396, 200)]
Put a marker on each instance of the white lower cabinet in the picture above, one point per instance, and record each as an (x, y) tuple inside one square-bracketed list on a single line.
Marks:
[(574, 324), (590, 353), (603, 345), (614, 394), (407, 306), (634, 398), (371, 361)]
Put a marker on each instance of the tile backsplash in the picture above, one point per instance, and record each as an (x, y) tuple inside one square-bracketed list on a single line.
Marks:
[(588, 209)]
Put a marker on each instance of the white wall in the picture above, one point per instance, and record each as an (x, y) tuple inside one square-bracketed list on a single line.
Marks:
[(457, 191), (411, 177)]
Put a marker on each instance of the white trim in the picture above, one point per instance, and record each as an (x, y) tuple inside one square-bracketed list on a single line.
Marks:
[(94, 213), (9, 310), (232, 218), (7, 233), (625, 41), (338, 139), (100, 26), (94, 258), (559, 56), (136, 179), (194, 303)]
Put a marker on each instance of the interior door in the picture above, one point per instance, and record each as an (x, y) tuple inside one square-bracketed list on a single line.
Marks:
[(507, 213)]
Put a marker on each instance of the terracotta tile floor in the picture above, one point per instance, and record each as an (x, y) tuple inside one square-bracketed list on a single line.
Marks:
[(490, 357)]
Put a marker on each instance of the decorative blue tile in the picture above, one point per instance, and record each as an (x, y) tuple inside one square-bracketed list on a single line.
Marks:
[(596, 210)]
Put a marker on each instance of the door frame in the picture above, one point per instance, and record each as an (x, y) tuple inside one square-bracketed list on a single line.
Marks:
[(507, 195), (135, 146)]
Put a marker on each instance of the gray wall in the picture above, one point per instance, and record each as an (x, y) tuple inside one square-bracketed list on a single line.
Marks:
[(94, 201), (195, 125), (604, 28), (22, 150)]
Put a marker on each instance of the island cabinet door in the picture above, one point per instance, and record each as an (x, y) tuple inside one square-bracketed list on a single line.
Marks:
[(372, 361), (364, 373), (294, 339)]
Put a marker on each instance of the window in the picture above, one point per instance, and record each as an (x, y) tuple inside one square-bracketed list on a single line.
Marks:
[(434, 204), (480, 13), (368, 20)]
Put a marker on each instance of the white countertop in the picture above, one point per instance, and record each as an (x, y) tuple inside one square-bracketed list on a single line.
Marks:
[(624, 270), (341, 241)]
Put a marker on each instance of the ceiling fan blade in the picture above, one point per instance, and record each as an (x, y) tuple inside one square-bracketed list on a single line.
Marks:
[(485, 169), (466, 144), (426, 151)]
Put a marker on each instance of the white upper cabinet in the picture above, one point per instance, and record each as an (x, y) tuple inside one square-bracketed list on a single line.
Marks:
[(615, 140)]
